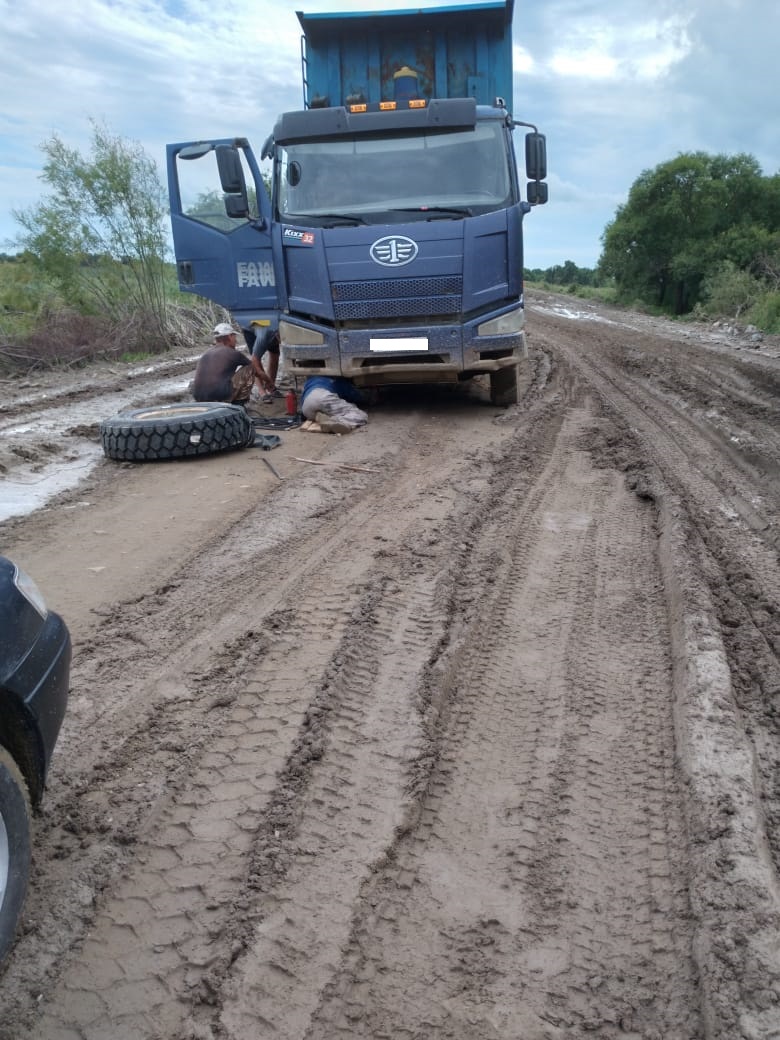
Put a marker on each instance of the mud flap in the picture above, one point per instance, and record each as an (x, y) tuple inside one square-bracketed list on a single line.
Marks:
[(504, 386)]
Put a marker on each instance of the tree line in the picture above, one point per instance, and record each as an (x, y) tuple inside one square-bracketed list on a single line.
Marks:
[(566, 274), (699, 233)]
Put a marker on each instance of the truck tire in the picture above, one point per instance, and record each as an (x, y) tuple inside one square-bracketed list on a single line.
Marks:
[(176, 431), (504, 386), (14, 848)]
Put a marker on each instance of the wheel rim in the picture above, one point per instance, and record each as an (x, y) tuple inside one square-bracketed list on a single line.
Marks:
[(5, 860), (172, 411)]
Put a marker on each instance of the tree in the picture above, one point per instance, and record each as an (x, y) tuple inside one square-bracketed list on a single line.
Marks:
[(563, 274), (209, 206), (682, 221), (101, 233)]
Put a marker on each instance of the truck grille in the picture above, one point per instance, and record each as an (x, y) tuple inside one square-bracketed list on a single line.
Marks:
[(397, 298)]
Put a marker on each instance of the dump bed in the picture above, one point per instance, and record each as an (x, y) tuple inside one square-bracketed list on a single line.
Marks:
[(446, 52)]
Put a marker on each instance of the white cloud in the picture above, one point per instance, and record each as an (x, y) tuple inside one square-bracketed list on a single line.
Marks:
[(602, 50), (523, 61), (616, 91)]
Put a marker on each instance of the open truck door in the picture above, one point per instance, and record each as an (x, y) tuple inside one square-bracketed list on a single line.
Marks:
[(221, 221)]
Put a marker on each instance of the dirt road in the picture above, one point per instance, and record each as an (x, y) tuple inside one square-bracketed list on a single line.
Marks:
[(469, 731)]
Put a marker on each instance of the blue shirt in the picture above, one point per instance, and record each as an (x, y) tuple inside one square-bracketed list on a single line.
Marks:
[(338, 385)]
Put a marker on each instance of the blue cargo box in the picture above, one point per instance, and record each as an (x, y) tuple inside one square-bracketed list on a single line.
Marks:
[(439, 52)]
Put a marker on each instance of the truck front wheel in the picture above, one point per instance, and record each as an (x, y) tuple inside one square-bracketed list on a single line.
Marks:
[(14, 848), (504, 386)]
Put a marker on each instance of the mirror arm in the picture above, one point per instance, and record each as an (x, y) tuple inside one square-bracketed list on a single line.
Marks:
[(518, 122)]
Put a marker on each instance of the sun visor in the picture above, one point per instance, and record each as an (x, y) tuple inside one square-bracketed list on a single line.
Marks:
[(440, 114)]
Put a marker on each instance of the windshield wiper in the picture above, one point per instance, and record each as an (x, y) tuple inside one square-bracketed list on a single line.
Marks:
[(313, 219), (457, 211), (345, 218)]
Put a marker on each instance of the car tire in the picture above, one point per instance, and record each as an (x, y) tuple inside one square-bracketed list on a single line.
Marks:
[(15, 844), (176, 431)]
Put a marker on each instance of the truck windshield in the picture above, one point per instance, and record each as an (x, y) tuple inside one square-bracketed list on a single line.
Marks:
[(373, 179)]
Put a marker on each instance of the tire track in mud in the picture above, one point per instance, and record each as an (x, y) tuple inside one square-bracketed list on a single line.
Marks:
[(424, 782), (305, 798), (355, 801), (127, 975), (722, 581), (153, 686), (675, 433), (737, 517), (544, 891)]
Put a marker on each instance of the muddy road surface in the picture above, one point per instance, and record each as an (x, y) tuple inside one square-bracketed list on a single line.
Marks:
[(463, 726)]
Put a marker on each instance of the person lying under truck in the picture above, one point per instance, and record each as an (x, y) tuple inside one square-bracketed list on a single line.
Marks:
[(332, 402), (224, 373)]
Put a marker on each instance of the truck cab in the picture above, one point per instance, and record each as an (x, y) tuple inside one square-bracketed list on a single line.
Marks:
[(389, 247)]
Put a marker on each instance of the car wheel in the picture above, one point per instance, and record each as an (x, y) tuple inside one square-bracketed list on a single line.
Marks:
[(14, 848), (176, 431)]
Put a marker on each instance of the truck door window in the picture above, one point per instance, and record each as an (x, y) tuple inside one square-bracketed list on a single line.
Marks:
[(202, 196)]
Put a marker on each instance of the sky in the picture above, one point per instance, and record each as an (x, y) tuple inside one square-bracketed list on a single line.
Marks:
[(616, 88)]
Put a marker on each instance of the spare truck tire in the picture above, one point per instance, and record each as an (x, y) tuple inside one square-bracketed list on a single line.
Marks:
[(176, 431)]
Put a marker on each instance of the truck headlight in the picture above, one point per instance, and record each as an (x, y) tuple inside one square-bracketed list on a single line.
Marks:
[(508, 324), (299, 336)]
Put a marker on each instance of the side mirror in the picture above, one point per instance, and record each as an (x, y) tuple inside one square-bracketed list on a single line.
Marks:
[(237, 206), (194, 151), (536, 192), (231, 172), (536, 156), (294, 173)]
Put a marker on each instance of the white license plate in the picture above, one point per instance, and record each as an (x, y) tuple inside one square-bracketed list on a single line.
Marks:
[(410, 343)]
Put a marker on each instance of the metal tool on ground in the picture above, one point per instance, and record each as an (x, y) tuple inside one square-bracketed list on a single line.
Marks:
[(336, 465), (273, 469)]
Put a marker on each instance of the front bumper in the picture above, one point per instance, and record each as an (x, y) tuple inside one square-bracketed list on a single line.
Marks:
[(34, 697), (427, 354)]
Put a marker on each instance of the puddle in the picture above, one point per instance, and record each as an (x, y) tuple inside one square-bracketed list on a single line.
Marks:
[(573, 315), (53, 449), (27, 491)]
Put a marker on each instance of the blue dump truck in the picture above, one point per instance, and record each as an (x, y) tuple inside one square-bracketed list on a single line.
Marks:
[(387, 244)]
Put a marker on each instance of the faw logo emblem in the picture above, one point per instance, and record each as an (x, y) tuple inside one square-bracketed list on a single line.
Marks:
[(393, 251)]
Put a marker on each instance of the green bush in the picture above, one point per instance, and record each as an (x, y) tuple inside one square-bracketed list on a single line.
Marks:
[(100, 234), (765, 312), (729, 292)]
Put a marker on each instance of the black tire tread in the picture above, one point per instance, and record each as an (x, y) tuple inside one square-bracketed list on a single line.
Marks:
[(175, 431), (16, 813)]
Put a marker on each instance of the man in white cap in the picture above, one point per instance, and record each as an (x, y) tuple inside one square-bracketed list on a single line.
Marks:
[(224, 373)]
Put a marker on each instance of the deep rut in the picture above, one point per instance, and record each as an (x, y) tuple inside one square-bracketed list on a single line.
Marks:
[(475, 740)]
